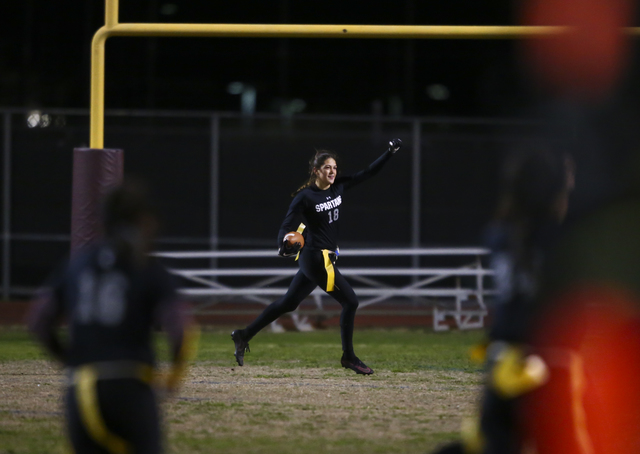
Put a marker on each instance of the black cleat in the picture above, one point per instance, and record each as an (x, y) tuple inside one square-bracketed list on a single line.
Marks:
[(356, 365), (242, 346)]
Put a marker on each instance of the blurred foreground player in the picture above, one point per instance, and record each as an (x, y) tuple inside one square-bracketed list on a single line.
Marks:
[(112, 295), (537, 184), (534, 205), (319, 204), (588, 326)]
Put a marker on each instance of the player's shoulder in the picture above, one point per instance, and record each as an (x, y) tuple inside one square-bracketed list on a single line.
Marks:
[(304, 196), (303, 192), (310, 190)]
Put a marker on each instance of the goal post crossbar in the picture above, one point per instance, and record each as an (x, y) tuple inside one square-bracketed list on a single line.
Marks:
[(113, 28)]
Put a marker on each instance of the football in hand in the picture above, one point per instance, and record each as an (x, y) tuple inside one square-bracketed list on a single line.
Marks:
[(292, 238)]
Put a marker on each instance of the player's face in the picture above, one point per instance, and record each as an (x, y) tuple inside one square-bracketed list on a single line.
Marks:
[(326, 174)]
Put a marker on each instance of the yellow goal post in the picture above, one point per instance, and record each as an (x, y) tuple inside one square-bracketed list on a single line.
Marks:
[(113, 27)]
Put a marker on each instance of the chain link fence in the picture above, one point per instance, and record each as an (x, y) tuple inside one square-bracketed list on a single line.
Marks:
[(223, 180)]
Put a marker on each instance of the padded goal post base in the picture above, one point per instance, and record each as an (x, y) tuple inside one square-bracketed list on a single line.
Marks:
[(95, 172)]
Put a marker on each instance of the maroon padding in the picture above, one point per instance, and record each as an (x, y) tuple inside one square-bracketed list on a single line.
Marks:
[(95, 172)]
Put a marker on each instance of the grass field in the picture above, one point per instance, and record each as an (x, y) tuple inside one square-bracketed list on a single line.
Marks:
[(291, 396)]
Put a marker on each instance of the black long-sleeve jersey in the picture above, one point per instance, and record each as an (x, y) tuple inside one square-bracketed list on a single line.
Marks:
[(320, 209), (111, 307)]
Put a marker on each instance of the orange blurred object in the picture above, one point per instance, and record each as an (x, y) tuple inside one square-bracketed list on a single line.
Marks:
[(591, 342), (586, 62)]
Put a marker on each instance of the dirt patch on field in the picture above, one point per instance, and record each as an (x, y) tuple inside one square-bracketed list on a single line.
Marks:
[(389, 405), (274, 403), (30, 387)]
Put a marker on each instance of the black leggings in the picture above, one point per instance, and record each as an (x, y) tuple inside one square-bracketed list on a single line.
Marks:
[(316, 269)]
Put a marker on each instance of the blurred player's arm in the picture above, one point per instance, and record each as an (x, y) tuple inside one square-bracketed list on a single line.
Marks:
[(182, 334), (514, 372), (44, 318)]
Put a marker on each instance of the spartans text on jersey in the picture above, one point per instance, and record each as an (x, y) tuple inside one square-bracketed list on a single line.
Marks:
[(329, 205)]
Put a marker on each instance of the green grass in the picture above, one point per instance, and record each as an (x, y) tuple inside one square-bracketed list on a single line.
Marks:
[(17, 345), (424, 383), (399, 350), (32, 435)]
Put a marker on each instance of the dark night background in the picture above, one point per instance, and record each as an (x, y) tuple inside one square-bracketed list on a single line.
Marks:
[(474, 99), (45, 58)]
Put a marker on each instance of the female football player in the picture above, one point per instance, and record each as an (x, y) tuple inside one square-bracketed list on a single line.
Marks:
[(113, 296), (319, 204)]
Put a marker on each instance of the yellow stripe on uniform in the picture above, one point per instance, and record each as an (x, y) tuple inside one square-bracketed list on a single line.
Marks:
[(331, 274), (578, 385), (301, 228), (145, 373), (86, 393)]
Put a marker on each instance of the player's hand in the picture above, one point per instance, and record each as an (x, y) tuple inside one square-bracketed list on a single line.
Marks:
[(394, 145), (168, 382), (287, 250)]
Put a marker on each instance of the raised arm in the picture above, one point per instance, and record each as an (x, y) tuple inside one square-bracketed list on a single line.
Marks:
[(374, 167)]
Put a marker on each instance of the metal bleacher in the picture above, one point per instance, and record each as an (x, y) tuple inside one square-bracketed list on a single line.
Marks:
[(462, 298)]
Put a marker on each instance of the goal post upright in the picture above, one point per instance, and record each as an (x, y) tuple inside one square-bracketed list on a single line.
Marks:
[(95, 170)]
